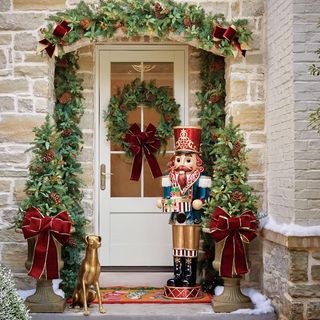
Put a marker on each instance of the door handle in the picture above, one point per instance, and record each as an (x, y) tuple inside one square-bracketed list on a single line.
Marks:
[(103, 177)]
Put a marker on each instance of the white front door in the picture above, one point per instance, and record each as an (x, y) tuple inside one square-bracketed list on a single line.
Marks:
[(134, 231)]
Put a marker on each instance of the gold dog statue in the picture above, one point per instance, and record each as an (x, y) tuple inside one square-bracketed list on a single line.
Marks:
[(88, 276)]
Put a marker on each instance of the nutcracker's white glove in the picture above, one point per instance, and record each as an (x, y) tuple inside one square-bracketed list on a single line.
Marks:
[(159, 203), (197, 204)]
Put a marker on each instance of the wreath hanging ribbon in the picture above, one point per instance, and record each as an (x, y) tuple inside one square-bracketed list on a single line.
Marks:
[(143, 142), (235, 231), (48, 230), (229, 34), (59, 31)]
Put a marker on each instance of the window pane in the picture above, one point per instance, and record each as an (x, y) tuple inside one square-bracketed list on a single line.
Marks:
[(121, 185), (152, 187), (162, 73), (122, 73)]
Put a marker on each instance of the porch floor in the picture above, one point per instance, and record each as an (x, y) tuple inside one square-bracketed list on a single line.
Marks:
[(188, 311)]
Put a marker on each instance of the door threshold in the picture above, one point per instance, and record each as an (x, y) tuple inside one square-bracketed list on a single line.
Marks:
[(134, 279)]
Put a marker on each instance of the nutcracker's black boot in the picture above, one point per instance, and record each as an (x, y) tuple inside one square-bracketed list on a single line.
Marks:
[(190, 272), (177, 270)]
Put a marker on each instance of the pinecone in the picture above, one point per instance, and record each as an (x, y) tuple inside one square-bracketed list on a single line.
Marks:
[(62, 63), (214, 99), (217, 65), (66, 132), (237, 196), (158, 10), (214, 137), (167, 118), (187, 21), (48, 156), (151, 98), (65, 98), (72, 242), (117, 25), (55, 197), (236, 149), (123, 108), (85, 24)]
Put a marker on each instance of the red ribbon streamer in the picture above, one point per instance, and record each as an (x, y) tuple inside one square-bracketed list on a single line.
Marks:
[(235, 231), (229, 34), (143, 142), (59, 31), (47, 230)]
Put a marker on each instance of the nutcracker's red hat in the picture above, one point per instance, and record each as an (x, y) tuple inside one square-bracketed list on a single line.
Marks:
[(187, 139)]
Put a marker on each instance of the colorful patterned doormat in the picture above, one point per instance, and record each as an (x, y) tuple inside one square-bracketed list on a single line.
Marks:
[(143, 295)]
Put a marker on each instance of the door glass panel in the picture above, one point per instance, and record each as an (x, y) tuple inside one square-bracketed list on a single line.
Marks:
[(152, 187), (162, 73), (122, 73), (121, 185), (150, 116)]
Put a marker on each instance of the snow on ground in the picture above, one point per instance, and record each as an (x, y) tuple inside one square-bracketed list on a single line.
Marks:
[(26, 293), (262, 304), (289, 229)]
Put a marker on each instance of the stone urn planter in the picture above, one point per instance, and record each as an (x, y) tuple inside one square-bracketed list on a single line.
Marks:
[(232, 235), (231, 298), (44, 299)]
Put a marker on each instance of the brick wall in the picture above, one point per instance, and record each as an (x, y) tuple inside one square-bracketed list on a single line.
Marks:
[(306, 39)]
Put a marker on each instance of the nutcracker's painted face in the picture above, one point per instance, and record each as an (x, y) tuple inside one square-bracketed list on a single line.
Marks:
[(187, 162)]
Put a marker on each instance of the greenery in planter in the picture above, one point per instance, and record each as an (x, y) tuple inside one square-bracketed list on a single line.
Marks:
[(230, 189), (139, 17), (12, 306), (45, 187)]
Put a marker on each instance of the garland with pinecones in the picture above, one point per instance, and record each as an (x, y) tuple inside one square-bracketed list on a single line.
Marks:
[(128, 99), (163, 19)]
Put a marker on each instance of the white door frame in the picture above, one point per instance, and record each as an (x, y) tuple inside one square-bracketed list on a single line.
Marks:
[(98, 122)]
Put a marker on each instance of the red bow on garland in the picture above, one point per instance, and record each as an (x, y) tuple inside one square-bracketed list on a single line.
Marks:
[(48, 230), (235, 231), (220, 33), (59, 31), (143, 142)]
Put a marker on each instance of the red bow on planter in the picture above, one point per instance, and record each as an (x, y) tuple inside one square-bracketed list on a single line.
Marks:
[(59, 31), (143, 142), (47, 229), (235, 231), (220, 33)]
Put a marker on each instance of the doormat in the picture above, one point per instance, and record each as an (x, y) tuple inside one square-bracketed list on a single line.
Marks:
[(143, 295)]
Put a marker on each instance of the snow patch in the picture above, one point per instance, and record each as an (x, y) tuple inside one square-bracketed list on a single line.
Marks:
[(55, 284), (289, 229), (262, 304)]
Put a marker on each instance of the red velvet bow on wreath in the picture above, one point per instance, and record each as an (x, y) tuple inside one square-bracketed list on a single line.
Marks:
[(59, 31), (235, 231), (220, 33), (48, 231), (143, 142)]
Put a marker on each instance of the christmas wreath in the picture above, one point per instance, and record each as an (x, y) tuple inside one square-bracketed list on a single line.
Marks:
[(130, 137)]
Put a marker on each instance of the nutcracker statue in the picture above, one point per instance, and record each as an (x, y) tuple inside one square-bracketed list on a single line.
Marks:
[(185, 191)]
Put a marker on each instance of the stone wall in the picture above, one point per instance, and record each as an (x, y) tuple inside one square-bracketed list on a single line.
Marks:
[(292, 275), (26, 95)]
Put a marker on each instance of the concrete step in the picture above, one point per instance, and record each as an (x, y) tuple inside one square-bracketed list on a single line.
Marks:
[(189, 311)]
